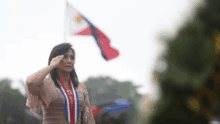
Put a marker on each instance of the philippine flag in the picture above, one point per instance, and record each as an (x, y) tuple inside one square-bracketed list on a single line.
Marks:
[(79, 25)]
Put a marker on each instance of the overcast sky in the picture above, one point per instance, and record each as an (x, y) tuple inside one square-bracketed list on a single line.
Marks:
[(31, 28)]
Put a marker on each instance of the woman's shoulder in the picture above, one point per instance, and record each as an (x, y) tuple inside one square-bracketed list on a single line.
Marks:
[(82, 86)]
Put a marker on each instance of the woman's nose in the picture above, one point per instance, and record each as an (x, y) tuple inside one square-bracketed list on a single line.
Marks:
[(69, 59)]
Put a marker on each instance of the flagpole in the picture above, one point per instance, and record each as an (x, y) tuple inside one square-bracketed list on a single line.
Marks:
[(65, 24)]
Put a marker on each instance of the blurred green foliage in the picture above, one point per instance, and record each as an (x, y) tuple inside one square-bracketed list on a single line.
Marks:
[(12, 106), (190, 60)]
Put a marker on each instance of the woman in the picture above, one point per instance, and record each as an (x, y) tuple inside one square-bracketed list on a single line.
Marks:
[(63, 99)]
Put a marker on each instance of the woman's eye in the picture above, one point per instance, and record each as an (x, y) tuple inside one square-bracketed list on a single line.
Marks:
[(65, 56), (72, 57)]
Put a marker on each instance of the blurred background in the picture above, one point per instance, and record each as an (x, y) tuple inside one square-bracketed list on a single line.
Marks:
[(164, 49)]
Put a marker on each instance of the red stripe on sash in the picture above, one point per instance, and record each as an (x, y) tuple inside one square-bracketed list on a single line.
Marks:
[(70, 107)]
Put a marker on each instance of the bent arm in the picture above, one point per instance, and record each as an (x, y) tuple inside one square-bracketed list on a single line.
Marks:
[(34, 81)]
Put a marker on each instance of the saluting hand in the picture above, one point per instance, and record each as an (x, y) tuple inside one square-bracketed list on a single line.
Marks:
[(56, 60)]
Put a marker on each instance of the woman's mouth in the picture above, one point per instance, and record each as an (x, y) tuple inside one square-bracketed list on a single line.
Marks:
[(68, 66)]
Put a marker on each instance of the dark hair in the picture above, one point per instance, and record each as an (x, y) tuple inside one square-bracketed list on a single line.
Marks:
[(60, 50)]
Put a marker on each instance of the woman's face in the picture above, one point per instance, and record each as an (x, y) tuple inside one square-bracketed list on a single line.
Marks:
[(67, 63)]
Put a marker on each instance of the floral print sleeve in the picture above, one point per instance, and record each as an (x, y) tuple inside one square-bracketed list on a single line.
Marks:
[(34, 102), (87, 112)]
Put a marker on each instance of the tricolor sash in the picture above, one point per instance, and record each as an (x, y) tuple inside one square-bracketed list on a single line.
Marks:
[(72, 111)]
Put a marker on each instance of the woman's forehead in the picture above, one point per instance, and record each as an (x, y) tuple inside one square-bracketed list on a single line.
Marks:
[(70, 52)]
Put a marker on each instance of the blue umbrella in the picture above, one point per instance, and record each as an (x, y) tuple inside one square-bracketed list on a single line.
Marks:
[(120, 104)]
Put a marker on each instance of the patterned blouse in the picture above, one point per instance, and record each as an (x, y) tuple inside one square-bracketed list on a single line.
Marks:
[(52, 102)]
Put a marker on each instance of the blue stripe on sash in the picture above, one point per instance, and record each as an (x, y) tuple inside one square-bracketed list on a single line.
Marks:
[(77, 100), (66, 103)]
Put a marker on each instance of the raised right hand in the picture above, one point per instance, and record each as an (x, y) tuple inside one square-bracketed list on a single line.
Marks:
[(56, 60)]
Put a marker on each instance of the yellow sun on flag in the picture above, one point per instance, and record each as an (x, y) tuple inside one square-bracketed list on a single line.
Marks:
[(79, 19)]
